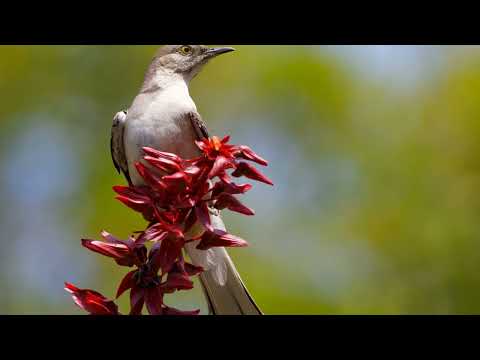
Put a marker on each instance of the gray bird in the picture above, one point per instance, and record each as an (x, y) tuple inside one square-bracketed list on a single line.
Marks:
[(163, 116)]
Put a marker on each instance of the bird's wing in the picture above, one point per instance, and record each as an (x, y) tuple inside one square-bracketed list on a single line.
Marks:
[(117, 147), (198, 125)]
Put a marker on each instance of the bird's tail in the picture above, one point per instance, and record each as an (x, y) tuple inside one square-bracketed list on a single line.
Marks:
[(231, 298), (223, 288)]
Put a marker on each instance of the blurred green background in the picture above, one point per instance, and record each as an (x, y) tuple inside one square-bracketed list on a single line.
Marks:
[(374, 151)]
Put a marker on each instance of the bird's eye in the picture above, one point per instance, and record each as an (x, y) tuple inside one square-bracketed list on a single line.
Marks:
[(185, 50)]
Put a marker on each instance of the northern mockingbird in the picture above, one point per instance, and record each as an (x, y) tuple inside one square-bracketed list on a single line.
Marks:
[(163, 116)]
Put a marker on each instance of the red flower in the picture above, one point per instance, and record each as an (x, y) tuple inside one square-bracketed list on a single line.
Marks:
[(152, 179), (137, 198), (178, 193), (125, 253), (246, 153), (221, 164), (127, 283), (92, 301), (167, 252), (229, 187), (179, 276), (225, 200), (223, 153), (144, 286), (214, 147), (151, 297), (219, 153), (147, 289), (164, 161), (218, 237), (247, 170), (169, 240)]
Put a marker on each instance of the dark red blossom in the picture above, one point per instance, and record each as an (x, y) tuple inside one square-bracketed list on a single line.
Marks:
[(214, 147), (138, 198), (177, 194), (144, 285), (179, 276), (246, 153), (163, 161), (163, 155), (223, 153), (203, 215), (219, 237), (227, 186), (92, 301), (225, 200), (219, 166), (151, 178), (127, 283), (247, 170), (125, 253), (151, 297), (164, 254)]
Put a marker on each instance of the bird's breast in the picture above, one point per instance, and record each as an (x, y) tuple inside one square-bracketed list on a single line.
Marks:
[(163, 124)]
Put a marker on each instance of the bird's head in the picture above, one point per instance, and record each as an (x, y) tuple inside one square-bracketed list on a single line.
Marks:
[(186, 60)]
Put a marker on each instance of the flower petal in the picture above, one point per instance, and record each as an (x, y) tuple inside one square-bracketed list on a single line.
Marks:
[(230, 202), (163, 256), (203, 215), (220, 238), (193, 270), (229, 187), (176, 182), (145, 209), (177, 281), (192, 171), (150, 178), (166, 165), (202, 144), (109, 238), (137, 300), (247, 170), (190, 221), (119, 252), (154, 233), (220, 165), (91, 301), (138, 198), (162, 154), (215, 143), (246, 153), (136, 193), (128, 282), (154, 300)]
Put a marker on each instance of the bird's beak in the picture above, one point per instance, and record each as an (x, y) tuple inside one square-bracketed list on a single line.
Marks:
[(218, 51)]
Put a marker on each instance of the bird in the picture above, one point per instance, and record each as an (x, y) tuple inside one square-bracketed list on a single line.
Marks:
[(164, 116)]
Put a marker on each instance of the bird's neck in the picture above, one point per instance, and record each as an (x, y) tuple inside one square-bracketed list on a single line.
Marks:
[(159, 80)]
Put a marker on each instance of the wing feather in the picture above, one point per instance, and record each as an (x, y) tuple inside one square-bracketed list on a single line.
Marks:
[(198, 125), (117, 148)]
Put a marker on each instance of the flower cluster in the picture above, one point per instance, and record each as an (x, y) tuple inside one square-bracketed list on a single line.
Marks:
[(178, 194)]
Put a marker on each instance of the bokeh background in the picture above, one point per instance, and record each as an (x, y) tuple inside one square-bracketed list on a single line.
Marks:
[(374, 151)]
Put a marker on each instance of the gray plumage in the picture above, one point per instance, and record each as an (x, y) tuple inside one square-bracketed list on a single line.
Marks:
[(164, 116)]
